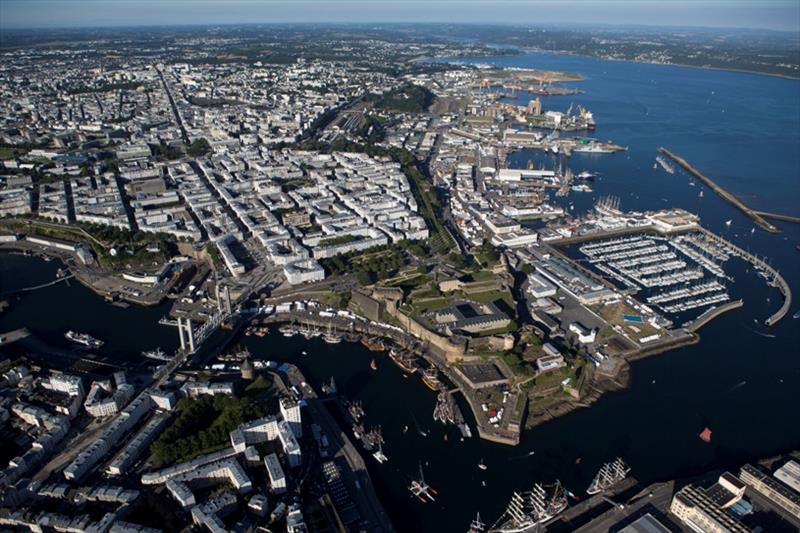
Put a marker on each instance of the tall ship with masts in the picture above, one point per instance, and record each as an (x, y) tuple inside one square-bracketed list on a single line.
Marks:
[(527, 510), (476, 526), (609, 475)]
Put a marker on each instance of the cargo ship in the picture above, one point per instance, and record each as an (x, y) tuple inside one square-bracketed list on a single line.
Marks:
[(609, 475), (527, 511), (84, 338), (593, 148)]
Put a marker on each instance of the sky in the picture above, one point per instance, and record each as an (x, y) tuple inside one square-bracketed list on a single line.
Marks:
[(762, 14)]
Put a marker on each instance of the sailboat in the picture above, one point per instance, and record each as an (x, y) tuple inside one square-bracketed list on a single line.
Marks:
[(728, 222), (421, 489), (609, 475), (373, 365), (379, 455), (477, 526), (529, 509)]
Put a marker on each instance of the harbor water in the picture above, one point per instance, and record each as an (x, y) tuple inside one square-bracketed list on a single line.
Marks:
[(741, 380)]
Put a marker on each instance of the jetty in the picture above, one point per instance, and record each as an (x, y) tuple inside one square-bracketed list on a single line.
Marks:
[(773, 276), (41, 285), (777, 216), (722, 192)]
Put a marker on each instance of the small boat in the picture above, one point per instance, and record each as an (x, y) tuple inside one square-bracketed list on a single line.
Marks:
[(796, 315), (373, 365), (84, 339), (728, 222), (705, 435), (482, 466), (380, 456), (157, 354)]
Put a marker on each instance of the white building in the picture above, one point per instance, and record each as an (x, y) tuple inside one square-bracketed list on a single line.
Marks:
[(277, 479), (303, 271), (290, 446), (585, 335), (290, 411), (540, 287)]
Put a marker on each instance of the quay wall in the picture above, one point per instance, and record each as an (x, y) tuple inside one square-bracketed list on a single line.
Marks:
[(408, 341), (777, 216), (711, 314), (780, 282)]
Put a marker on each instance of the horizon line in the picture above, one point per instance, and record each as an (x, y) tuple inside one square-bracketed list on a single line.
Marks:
[(395, 23)]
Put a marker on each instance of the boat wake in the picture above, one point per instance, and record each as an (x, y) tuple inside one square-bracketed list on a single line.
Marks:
[(738, 386), (767, 335)]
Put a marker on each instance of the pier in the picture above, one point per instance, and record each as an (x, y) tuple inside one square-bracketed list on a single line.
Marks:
[(777, 216), (42, 285), (711, 184), (712, 313), (776, 279), (585, 507)]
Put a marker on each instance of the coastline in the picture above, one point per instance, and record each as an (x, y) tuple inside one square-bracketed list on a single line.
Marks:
[(697, 67), (538, 412), (525, 51), (597, 386)]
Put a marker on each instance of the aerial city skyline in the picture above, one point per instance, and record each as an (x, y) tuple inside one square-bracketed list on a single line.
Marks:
[(451, 266)]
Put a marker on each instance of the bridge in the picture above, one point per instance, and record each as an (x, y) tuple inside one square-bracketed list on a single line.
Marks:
[(40, 286)]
